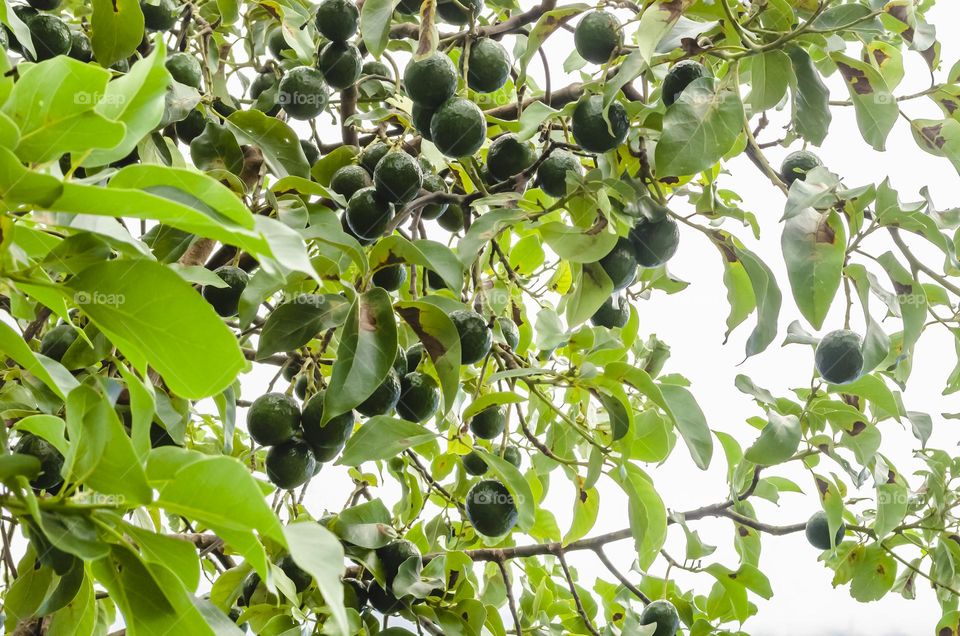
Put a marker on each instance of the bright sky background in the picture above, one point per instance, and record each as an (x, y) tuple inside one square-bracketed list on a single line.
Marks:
[(692, 323)]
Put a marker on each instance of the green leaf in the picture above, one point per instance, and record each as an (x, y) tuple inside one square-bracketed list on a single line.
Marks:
[(586, 507), (814, 248), (575, 244), (393, 250), (382, 437), (631, 67), (368, 347), (876, 343), (50, 372), (278, 142), (375, 19), (135, 99), (186, 342), (655, 23), (778, 440), (100, 453), (20, 185), (591, 289), (230, 502), (441, 340), (873, 574), (940, 138), (485, 228), (116, 29), (690, 422), (177, 555), (317, 550), (875, 107), (293, 324), (513, 479), (699, 128), (768, 299), (811, 98), (769, 77), (53, 105), (15, 464), (498, 398), (645, 509)]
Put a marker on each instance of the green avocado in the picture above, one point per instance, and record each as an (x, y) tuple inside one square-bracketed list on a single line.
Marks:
[(473, 464), (384, 398), (290, 464), (414, 355), (797, 164), (664, 615), (459, 11), (490, 508), (420, 117), (489, 66), (191, 126), (508, 156), (395, 554), (511, 335), (80, 47), (51, 36), (185, 69), (327, 440), (340, 63), (655, 242), (51, 461), (302, 93), (458, 128), (475, 337), (44, 5), (273, 418), (301, 578), (433, 183), (277, 44), (368, 214), (372, 155), (614, 312), (839, 358), (160, 16), (552, 172), (818, 531), (226, 300), (419, 397), (337, 20), (681, 75), (397, 177), (452, 219), (390, 278), (349, 179), (591, 130), (620, 264), (598, 36), (488, 423), (430, 81), (55, 342), (383, 601), (512, 455), (310, 152)]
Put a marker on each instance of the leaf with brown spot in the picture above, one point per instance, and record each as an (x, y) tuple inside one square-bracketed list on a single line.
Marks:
[(368, 347), (940, 138), (875, 106), (441, 340), (813, 245)]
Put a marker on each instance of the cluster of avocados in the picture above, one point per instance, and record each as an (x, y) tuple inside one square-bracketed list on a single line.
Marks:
[(299, 441), (651, 242)]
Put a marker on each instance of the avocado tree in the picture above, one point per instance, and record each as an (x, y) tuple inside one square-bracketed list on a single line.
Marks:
[(252, 249)]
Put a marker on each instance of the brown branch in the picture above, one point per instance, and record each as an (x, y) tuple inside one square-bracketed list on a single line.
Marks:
[(34, 327), (348, 107), (576, 596), (511, 601), (917, 264), (620, 577)]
